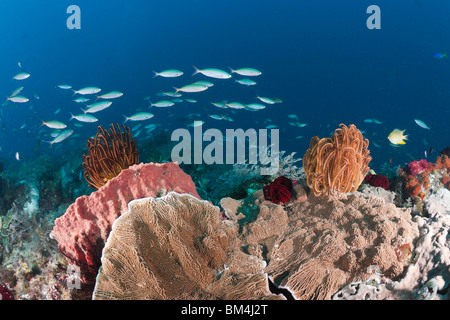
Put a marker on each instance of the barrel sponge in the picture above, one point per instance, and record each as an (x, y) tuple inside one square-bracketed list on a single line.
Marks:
[(177, 247)]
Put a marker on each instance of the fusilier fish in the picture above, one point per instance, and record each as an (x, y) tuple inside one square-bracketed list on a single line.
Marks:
[(255, 106), (21, 76), (266, 100), (246, 82), (64, 86), (87, 90), (191, 88), (248, 72), (84, 118), (54, 124), (61, 137), (212, 73), (421, 124), (111, 95), (235, 105), (139, 116), (81, 100), (97, 106), (170, 73), (18, 99), (16, 92), (204, 83), (162, 104)]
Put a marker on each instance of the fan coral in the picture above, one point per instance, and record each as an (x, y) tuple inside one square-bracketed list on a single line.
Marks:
[(108, 154), (417, 167), (278, 191), (339, 163), (377, 180), (176, 247)]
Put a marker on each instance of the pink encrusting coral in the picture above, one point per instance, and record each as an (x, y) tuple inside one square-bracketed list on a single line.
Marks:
[(82, 231)]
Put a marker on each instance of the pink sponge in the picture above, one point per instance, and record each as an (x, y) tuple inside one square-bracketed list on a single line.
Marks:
[(84, 228)]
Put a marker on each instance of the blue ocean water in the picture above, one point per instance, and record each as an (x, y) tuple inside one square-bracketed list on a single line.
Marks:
[(318, 57)]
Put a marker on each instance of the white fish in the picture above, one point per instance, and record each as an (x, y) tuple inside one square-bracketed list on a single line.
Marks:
[(191, 88), (16, 92), (255, 106), (139, 116), (171, 94), (84, 118), (81, 100), (248, 72), (235, 105), (204, 83), (266, 100), (21, 76), (422, 124), (64, 86), (17, 156), (162, 104), (215, 116), (170, 73), (220, 104), (212, 73), (111, 95), (87, 90), (18, 99), (97, 106), (61, 137), (246, 82), (54, 124)]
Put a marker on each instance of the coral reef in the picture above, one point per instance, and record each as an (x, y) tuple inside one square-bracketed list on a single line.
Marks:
[(108, 154), (312, 246), (176, 247), (338, 163), (82, 231)]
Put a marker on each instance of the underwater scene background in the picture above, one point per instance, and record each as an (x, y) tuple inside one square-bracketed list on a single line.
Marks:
[(320, 66)]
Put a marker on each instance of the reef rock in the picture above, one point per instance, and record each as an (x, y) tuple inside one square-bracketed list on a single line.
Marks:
[(82, 231), (177, 247)]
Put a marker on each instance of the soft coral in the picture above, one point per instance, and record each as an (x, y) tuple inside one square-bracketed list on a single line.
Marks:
[(6, 293)]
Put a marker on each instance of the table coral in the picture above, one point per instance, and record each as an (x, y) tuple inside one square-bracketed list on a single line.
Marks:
[(82, 231)]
